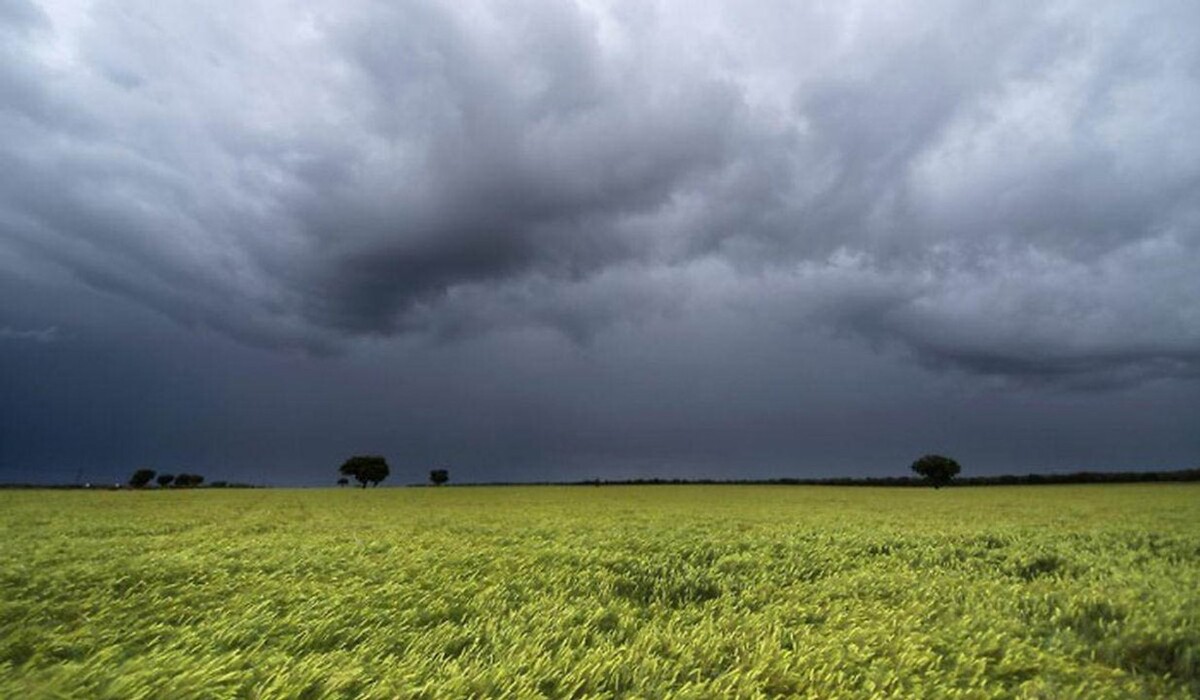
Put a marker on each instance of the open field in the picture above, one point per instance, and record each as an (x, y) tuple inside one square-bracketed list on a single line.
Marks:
[(684, 591)]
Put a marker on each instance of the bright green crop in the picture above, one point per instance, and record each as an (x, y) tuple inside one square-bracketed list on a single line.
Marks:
[(653, 591)]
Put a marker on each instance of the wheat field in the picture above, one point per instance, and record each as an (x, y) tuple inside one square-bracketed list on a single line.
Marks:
[(598, 592)]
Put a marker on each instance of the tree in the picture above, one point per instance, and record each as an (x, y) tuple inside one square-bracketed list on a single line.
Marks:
[(439, 476), (141, 478), (164, 480), (188, 479), (343, 481), (936, 469), (365, 468)]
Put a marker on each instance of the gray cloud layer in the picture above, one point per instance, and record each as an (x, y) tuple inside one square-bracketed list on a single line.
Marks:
[(1011, 189)]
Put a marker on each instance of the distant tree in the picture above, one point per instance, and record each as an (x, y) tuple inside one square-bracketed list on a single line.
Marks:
[(141, 478), (365, 468), (936, 469), (183, 479), (343, 481), (164, 480), (439, 476)]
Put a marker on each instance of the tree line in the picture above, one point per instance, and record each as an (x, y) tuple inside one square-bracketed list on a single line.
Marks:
[(930, 470), (143, 477), (936, 470), (1079, 477)]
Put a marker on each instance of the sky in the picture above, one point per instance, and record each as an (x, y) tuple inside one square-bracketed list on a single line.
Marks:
[(560, 240)]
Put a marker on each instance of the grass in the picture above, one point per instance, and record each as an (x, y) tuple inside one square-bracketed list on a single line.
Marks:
[(680, 591)]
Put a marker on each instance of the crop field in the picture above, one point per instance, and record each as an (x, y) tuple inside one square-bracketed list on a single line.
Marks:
[(613, 591)]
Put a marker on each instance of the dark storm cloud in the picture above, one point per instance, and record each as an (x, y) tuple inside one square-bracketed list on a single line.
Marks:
[(1013, 190)]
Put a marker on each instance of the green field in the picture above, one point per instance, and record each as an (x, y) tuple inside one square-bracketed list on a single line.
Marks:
[(651, 591)]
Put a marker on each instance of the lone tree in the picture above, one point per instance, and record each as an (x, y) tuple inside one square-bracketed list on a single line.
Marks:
[(936, 469), (141, 478), (164, 480), (439, 476), (188, 480), (365, 468)]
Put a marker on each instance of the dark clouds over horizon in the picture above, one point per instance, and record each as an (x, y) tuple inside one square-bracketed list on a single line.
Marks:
[(551, 239)]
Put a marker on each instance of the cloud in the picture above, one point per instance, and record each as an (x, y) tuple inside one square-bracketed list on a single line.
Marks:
[(1006, 190), (36, 335)]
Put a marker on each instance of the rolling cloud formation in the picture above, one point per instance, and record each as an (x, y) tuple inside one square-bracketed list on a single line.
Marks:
[(1010, 189)]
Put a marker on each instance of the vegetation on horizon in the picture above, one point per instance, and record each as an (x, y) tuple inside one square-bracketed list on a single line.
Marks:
[(365, 469), (936, 469), (142, 478)]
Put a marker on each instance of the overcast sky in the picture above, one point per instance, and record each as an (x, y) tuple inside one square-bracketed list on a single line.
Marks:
[(560, 240)]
